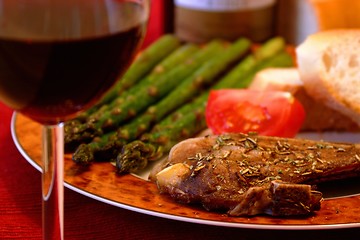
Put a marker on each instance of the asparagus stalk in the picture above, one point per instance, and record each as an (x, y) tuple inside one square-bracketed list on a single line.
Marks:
[(265, 51), (155, 145), (194, 121), (281, 59), (147, 92), (101, 148), (144, 62), (77, 132), (189, 120), (237, 76), (148, 87), (194, 111), (140, 99), (183, 93)]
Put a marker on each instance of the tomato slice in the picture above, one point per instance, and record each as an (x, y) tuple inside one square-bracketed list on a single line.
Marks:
[(269, 113)]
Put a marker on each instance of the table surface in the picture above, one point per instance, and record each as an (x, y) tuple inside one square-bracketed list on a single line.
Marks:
[(86, 218)]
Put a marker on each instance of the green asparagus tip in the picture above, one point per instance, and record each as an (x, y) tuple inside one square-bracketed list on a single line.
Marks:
[(83, 155), (134, 157)]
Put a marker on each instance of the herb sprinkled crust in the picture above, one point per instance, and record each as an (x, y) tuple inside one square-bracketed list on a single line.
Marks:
[(221, 171)]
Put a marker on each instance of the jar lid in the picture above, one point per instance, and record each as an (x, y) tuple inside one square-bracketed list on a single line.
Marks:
[(224, 5)]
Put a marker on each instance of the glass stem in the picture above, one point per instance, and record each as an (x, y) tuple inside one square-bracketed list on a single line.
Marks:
[(53, 182)]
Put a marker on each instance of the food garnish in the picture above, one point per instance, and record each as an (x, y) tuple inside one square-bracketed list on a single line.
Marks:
[(269, 113)]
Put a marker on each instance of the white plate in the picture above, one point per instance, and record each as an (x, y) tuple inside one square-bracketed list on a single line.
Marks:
[(339, 210)]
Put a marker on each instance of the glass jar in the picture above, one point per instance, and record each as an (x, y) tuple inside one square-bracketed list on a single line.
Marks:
[(201, 20)]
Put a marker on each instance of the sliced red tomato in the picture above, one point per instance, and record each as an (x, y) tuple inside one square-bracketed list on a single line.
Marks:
[(269, 113)]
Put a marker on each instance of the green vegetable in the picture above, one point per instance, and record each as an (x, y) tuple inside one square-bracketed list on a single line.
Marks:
[(189, 120), (138, 98), (141, 66), (183, 93), (77, 132), (187, 90), (265, 51)]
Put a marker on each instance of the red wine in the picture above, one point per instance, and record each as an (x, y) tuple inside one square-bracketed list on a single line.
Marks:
[(50, 80)]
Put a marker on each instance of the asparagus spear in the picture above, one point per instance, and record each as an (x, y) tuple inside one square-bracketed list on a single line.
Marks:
[(265, 51), (193, 113), (236, 77), (155, 145), (138, 99), (141, 66), (147, 92), (77, 132), (196, 108), (183, 93), (160, 75), (104, 147), (189, 120)]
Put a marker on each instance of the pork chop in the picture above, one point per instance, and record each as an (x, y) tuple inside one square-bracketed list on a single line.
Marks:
[(249, 174)]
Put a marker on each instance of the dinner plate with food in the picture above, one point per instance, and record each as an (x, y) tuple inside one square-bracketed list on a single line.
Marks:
[(225, 133)]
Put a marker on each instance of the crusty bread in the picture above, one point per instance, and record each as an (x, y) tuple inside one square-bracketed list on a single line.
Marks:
[(318, 116), (329, 66)]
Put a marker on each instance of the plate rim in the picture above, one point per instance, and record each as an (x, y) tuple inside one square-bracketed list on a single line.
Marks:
[(169, 215)]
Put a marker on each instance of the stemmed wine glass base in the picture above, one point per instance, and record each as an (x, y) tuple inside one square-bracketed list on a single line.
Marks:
[(53, 181)]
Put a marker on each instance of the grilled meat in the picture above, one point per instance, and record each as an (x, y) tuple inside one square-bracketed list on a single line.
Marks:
[(249, 174)]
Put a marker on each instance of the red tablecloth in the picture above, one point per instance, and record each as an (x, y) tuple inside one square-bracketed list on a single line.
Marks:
[(85, 218)]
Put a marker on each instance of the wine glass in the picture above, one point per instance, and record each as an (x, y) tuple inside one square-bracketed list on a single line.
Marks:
[(57, 57)]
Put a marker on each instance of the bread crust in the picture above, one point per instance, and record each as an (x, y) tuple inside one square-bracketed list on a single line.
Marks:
[(328, 64)]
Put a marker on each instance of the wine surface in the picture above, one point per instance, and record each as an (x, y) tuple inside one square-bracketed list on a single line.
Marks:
[(51, 77)]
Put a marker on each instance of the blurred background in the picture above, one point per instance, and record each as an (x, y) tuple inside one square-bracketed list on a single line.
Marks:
[(200, 20)]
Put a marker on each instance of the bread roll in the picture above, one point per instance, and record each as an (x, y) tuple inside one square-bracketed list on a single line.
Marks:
[(329, 66)]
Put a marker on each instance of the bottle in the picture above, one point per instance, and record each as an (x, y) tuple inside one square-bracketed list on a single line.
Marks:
[(201, 20), (295, 20)]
